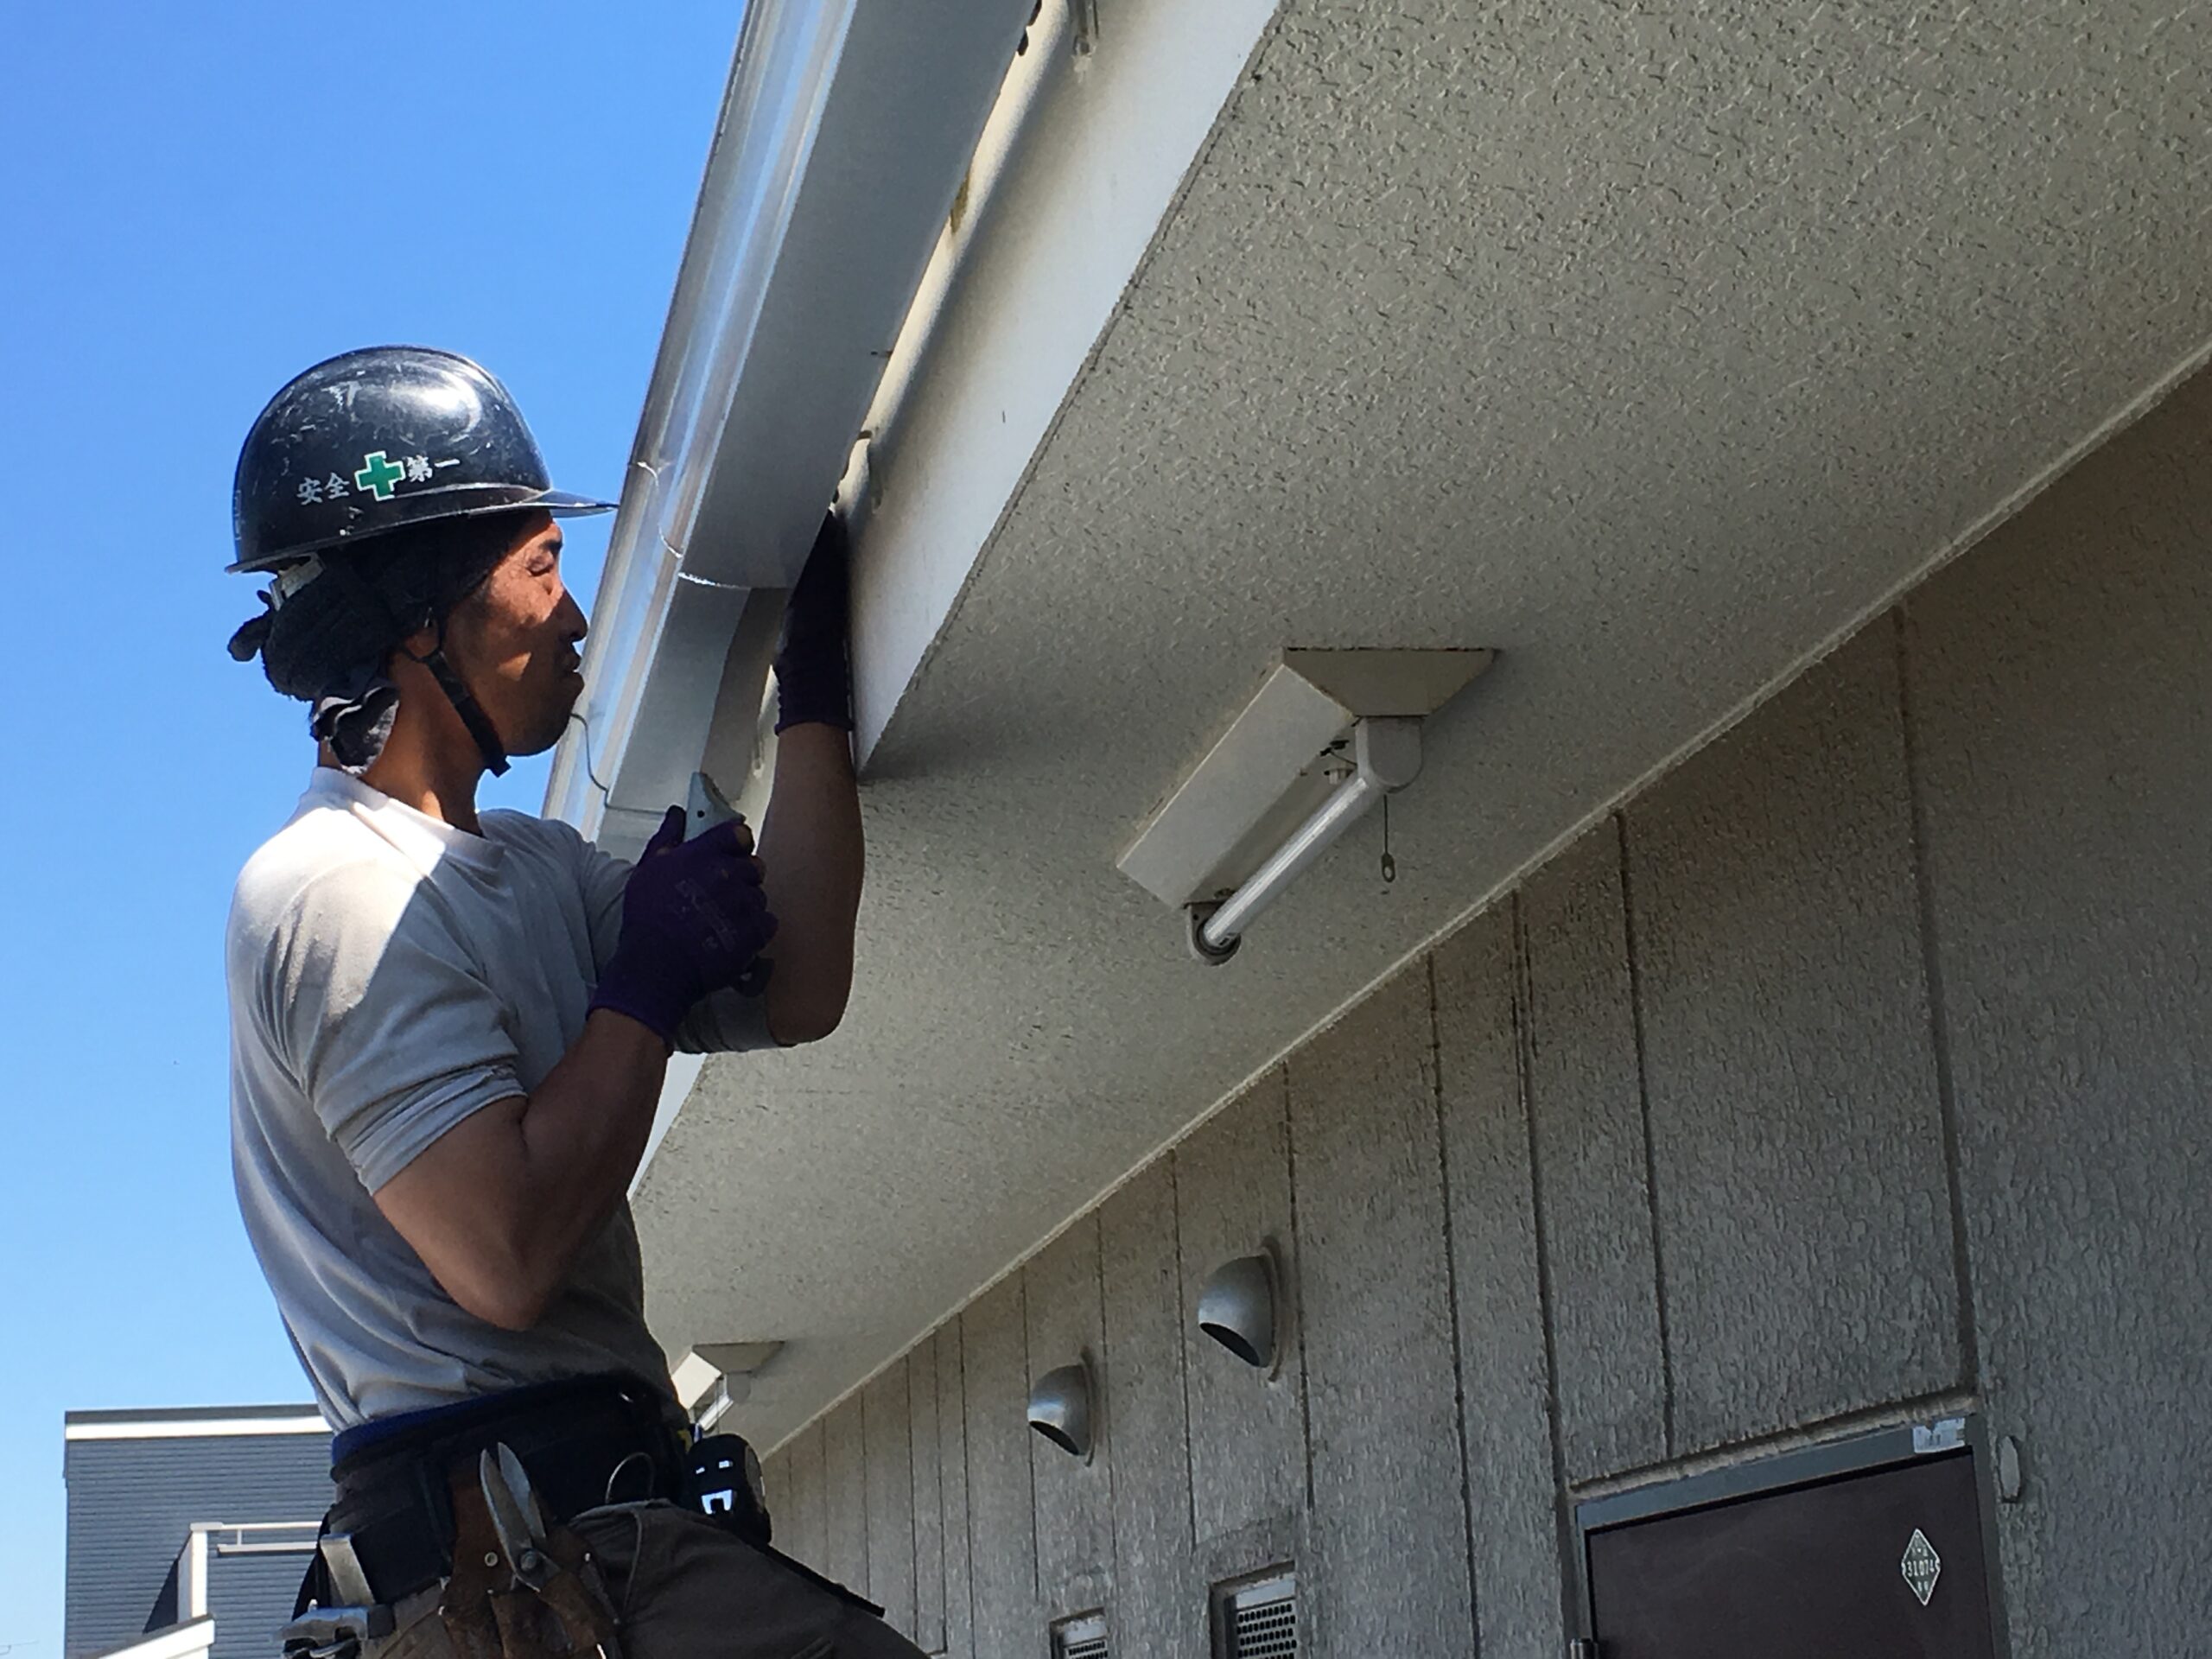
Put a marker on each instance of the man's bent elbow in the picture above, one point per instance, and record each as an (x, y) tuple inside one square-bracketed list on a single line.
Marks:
[(796, 1021), (793, 1031), (510, 1300), (509, 1309)]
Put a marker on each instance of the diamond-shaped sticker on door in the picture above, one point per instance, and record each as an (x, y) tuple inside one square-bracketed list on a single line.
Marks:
[(1922, 1566)]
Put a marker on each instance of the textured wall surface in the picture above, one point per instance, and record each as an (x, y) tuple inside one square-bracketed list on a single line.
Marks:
[(1593, 1159), (1504, 1391), (1158, 1600), (1001, 1495), (1066, 1321), (1652, 342), (886, 1429), (2061, 685), (952, 1477), (1854, 1073), (925, 1452), (1788, 1065), (797, 1496), (844, 1475), (1378, 1332)]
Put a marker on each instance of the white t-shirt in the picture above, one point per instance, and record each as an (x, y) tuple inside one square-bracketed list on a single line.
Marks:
[(389, 974)]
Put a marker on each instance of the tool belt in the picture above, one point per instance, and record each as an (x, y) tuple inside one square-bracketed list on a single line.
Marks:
[(476, 1499)]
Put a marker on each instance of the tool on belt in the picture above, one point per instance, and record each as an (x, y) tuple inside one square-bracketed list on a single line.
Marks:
[(470, 1502), (473, 1502), (521, 1588), (337, 1630)]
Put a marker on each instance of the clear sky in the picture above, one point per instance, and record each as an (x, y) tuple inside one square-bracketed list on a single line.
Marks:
[(198, 202)]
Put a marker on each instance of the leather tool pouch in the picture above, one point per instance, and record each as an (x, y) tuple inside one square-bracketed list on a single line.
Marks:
[(488, 1615)]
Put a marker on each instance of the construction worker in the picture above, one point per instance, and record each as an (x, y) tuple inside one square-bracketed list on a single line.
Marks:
[(449, 1031)]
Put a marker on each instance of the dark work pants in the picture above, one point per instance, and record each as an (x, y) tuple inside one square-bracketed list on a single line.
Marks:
[(685, 1589)]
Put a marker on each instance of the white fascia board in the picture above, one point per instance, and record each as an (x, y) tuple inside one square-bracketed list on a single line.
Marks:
[(786, 56), (156, 1428), (1072, 181), (846, 130), (193, 1637)]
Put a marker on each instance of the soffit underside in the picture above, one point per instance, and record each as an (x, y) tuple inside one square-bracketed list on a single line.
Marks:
[(1651, 347)]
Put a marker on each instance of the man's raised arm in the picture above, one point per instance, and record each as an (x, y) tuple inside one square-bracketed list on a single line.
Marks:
[(810, 840), (500, 1205)]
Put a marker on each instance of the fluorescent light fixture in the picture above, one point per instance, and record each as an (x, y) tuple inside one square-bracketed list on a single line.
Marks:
[(1386, 758), (1328, 735), (714, 1376)]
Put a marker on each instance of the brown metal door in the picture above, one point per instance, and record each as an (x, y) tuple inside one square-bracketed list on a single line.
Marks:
[(1825, 1571)]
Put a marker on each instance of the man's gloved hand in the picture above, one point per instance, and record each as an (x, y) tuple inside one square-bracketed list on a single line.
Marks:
[(693, 919), (814, 674)]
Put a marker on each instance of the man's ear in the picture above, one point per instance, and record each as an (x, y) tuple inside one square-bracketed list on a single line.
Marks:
[(417, 644)]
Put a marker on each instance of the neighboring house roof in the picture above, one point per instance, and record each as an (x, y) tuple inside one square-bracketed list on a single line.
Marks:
[(178, 1517), (194, 1423), (1656, 359), (188, 1640)]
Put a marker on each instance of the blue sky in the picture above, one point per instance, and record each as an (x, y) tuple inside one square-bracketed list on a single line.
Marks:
[(199, 202)]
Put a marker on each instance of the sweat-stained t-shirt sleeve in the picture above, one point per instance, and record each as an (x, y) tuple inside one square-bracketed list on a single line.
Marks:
[(724, 1023), (383, 1016)]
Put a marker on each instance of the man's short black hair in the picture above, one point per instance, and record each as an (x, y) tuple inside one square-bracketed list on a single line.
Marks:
[(347, 619)]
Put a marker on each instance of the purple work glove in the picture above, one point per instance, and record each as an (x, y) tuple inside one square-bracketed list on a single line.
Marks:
[(693, 919), (814, 673)]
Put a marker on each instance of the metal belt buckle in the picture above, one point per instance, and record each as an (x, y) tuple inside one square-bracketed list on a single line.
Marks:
[(337, 1632), (333, 1632)]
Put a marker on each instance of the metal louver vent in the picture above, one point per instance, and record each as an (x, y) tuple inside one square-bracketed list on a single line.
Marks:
[(1081, 1638), (1259, 1620), (1265, 1629)]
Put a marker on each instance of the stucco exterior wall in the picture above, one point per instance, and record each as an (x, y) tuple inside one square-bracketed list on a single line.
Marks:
[(1853, 1073)]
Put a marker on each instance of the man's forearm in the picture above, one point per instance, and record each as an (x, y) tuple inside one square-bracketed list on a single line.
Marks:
[(585, 1129), (501, 1206), (811, 850)]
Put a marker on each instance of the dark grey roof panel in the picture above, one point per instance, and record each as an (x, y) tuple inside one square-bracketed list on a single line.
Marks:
[(251, 1596), (132, 1502)]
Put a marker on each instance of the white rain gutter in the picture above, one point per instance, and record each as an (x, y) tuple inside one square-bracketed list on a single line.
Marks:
[(850, 130), (845, 132)]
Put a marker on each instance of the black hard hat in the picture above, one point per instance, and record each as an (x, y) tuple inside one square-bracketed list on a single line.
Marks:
[(378, 440)]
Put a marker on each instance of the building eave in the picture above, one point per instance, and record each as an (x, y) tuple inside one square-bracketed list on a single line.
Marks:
[(845, 132)]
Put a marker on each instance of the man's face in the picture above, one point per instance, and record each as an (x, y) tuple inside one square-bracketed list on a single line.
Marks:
[(514, 641)]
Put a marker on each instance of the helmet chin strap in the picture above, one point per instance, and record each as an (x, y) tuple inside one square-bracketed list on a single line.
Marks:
[(456, 689), (465, 705)]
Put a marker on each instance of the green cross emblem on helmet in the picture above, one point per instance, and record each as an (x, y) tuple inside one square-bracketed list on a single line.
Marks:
[(377, 475)]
